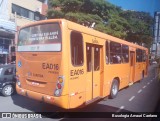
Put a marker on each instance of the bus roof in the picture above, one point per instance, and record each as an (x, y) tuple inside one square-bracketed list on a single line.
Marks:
[(83, 29)]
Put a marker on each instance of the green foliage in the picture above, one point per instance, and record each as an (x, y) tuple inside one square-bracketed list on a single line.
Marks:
[(83, 18), (55, 14), (140, 27), (54, 3), (130, 25), (71, 5)]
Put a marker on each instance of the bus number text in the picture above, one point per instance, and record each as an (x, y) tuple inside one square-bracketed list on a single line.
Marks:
[(76, 72), (50, 66)]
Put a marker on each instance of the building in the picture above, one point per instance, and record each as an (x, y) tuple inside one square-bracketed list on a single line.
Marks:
[(26, 11), (156, 35), (14, 14), (157, 27)]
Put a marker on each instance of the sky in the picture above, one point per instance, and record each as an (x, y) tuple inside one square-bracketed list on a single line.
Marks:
[(138, 5)]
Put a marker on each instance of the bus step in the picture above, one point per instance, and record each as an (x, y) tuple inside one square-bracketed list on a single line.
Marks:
[(130, 83)]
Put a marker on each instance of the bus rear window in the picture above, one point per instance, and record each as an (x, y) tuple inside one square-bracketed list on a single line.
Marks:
[(44, 37)]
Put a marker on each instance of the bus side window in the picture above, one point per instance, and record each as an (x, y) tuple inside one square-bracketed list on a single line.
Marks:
[(76, 49), (115, 53), (144, 56), (139, 55), (107, 52), (89, 58), (96, 58), (125, 54)]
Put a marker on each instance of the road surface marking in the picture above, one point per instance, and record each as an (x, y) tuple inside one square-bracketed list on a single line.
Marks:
[(148, 83), (131, 98), (140, 91), (122, 107), (144, 87)]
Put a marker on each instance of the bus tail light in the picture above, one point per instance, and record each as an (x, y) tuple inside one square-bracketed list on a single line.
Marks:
[(59, 86)]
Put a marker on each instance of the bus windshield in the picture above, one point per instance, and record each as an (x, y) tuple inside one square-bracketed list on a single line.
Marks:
[(43, 37)]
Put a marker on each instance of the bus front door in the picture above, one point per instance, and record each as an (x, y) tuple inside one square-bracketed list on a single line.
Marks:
[(132, 67), (93, 71)]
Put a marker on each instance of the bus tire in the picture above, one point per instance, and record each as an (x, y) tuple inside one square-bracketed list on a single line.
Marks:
[(114, 89)]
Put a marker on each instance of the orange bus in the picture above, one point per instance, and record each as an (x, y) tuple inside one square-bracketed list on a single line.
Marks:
[(69, 65)]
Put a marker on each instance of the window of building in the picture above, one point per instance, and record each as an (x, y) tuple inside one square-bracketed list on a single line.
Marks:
[(31, 15), (125, 54), (26, 13), (7, 41), (115, 53), (107, 52), (13, 49), (1, 41), (16, 9), (138, 55), (76, 49), (37, 16)]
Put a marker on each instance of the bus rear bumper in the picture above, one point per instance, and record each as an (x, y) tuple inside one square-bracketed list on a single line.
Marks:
[(61, 101)]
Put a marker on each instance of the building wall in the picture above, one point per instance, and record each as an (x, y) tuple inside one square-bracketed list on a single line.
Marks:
[(155, 49), (157, 27), (33, 5), (44, 9), (32, 9), (4, 10)]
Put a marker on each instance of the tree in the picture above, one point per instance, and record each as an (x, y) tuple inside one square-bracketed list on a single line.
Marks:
[(132, 26), (140, 26)]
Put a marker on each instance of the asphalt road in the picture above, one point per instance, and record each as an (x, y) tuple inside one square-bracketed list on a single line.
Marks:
[(140, 97)]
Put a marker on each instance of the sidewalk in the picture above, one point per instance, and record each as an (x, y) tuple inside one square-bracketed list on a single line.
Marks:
[(158, 103), (157, 109)]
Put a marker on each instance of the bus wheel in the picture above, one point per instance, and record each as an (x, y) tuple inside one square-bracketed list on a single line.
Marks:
[(114, 89)]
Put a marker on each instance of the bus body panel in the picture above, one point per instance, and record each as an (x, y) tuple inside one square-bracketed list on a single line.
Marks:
[(76, 79), (115, 71), (80, 85), (40, 72), (58, 101)]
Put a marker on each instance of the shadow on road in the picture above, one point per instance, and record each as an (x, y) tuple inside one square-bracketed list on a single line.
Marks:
[(33, 105), (91, 112)]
